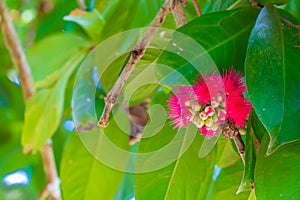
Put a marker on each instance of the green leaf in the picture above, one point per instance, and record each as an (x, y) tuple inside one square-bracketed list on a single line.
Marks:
[(83, 176), (207, 145), (277, 175), (92, 22), (272, 76), (49, 54), (221, 35), (177, 180), (293, 7), (126, 188), (227, 156), (188, 177), (45, 108), (219, 5), (250, 159), (278, 2)]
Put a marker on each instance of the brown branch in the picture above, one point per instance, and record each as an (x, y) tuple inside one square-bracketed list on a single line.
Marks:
[(178, 12), (44, 194), (198, 11), (19, 59), (138, 52), (16, 52), (231, 131), (240, 146)]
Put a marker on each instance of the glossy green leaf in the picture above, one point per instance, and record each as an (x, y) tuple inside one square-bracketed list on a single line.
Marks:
[(177, 180), (221, 35), (272, 76), (83, 176), (92, 22), (189, 177), (45, 108), (277, 175)]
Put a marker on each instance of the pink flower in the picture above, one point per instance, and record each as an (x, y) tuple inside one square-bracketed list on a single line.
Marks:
[(229, 88), (208, 87), (212, 100), (179, 106)]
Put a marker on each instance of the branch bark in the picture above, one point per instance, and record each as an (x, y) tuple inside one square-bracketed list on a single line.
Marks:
[(174, 6), (178, 12), (240, 146), (230, 131), (16, 52), (19, 59)]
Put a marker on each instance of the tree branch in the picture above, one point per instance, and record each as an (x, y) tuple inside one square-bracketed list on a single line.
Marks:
[(174, 6), (240, 146), (19, 59), (231, 131), (178, 12)]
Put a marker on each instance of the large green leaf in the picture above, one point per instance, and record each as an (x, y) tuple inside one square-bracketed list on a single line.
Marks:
[(272, 76), (277, 175), (180, 180), (90, 160), (49, 54), (45, 108), (188, 177), (84, 177), (221, 35)]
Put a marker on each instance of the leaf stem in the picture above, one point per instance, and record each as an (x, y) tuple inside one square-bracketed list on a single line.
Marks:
[(198, 11), (19, 59), (174, 6)]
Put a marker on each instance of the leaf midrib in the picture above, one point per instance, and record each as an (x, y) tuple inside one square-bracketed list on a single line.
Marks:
[(176, 165)]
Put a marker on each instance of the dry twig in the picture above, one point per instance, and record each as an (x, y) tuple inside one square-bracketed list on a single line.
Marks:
[(174, 6), (19, 59)]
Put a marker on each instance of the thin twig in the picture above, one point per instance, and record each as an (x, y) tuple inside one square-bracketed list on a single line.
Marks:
[(44, 194), (138, 52), (19, 59), (198, 11), (81, 4), (230, 131), (240, 146)]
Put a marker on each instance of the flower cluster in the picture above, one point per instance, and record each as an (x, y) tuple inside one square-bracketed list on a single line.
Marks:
[(212, 100)]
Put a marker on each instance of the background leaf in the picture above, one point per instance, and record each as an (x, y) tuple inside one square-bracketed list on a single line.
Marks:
[(83, 176), (276, 176), (45, 108)]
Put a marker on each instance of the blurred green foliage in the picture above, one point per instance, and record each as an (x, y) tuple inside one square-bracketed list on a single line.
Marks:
[(58, 39)]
